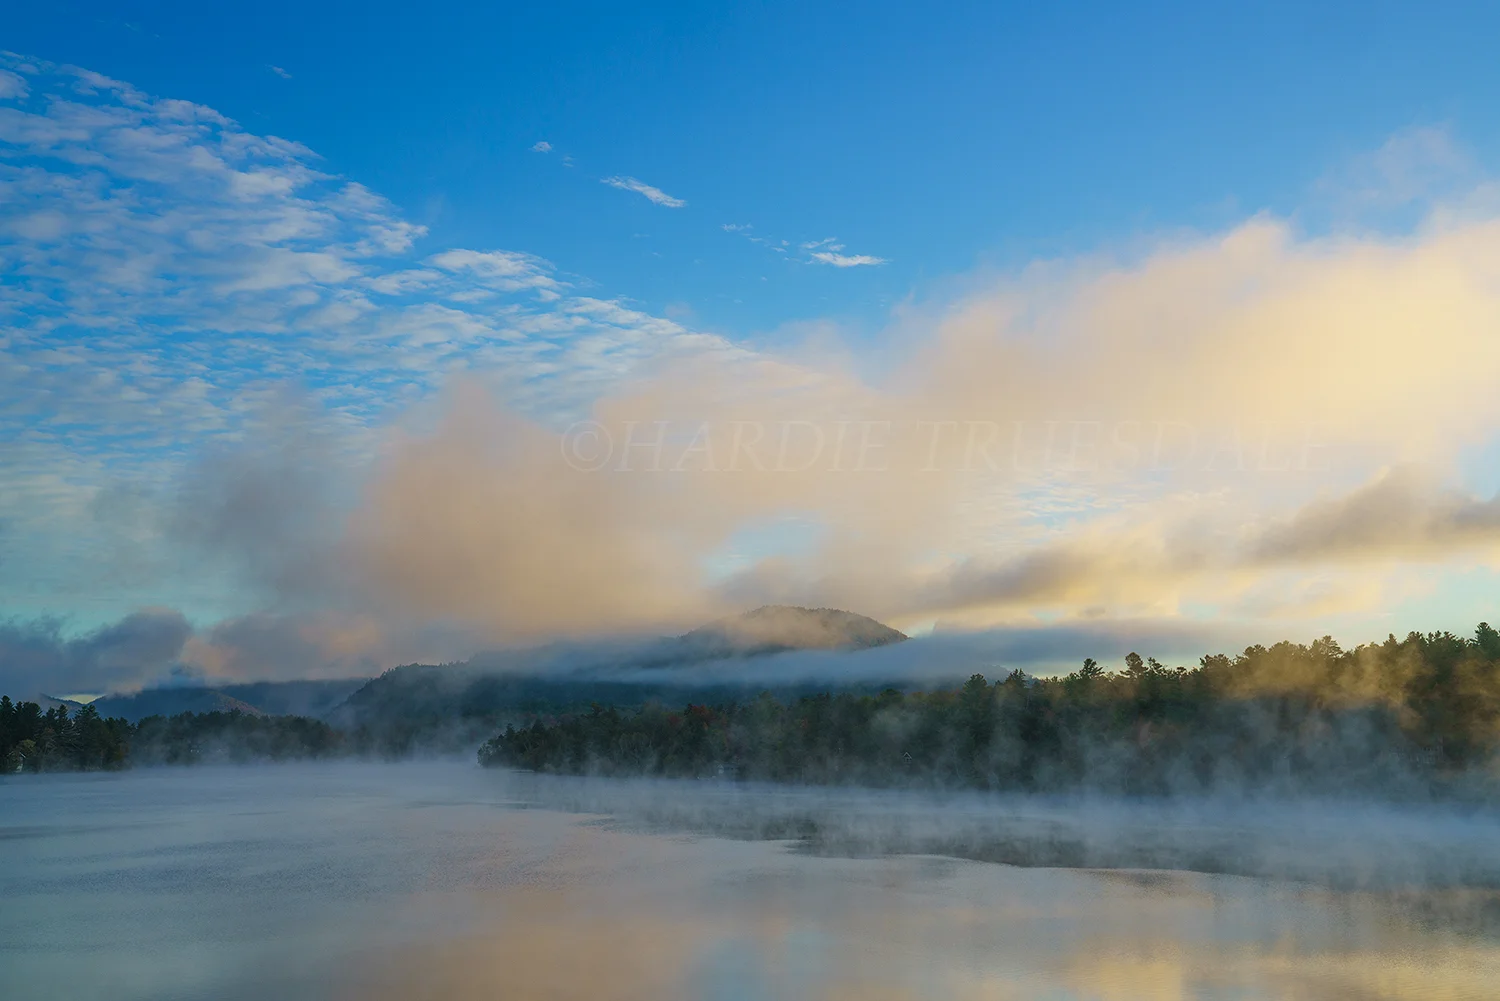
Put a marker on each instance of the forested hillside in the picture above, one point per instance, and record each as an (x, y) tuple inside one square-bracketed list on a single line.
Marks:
[(1411, 717)]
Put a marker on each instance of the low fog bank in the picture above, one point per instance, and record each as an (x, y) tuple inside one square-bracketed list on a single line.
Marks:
[(935, 659), (778, 645), (148, 662), (1342, 843)]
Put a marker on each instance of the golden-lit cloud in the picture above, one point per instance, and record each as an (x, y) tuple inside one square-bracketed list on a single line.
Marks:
[(1086, 438)]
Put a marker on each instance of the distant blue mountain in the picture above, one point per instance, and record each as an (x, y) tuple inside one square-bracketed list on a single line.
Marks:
[(261, 698)]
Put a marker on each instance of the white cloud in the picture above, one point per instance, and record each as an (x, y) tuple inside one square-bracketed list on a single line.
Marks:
[(829, 251), (541, 147), (846, 260), (12, 86), (279, 72), (403, 282), (501, 269), (655, 195)]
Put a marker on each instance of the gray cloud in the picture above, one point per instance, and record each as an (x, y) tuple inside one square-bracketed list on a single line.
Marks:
[(263, 646), (36, 657), (270, 511), (1398, 514)]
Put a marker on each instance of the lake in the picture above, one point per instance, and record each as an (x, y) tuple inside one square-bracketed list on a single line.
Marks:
[(441, 880)]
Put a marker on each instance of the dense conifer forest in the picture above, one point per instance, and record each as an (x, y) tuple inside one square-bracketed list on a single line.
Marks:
[(32, 740), (1413, 717)]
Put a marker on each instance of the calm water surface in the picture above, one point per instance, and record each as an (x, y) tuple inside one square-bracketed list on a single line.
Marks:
[(445, 881)]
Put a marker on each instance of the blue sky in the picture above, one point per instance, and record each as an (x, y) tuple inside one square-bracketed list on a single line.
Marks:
[(299, 302), (938, 138)]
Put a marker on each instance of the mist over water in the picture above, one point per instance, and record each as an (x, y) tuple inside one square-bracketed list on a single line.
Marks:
[(438, 879)]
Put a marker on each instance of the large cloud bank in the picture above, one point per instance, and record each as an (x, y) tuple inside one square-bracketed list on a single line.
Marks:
[(235, 380)]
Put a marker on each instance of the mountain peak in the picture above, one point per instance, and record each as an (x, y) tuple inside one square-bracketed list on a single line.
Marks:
[(776, 628)]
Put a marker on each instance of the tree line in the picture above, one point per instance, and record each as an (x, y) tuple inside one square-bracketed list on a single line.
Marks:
[(33, 740), (1418, 716)]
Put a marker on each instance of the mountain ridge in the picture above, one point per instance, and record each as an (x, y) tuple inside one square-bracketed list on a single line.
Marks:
[(577, 674), (497, 680), (258, 698)]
